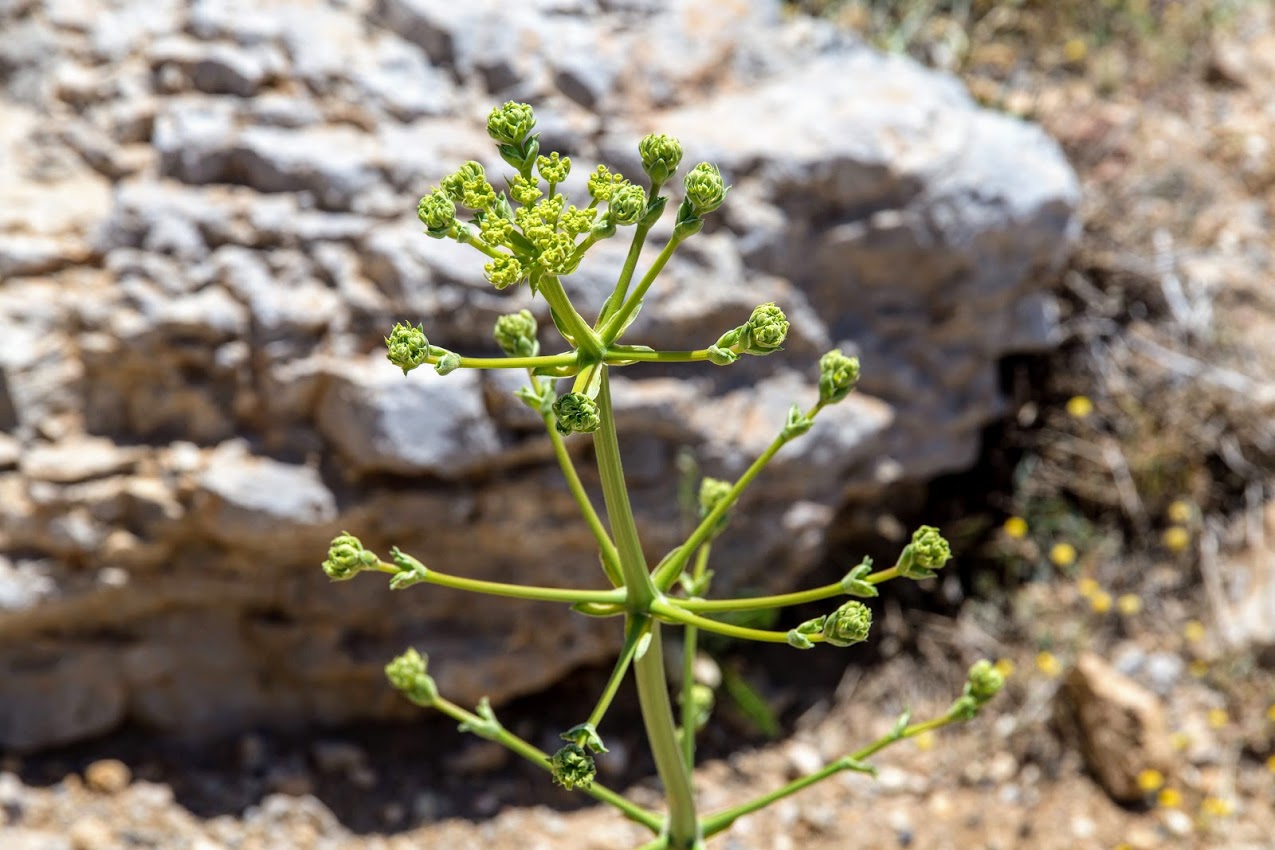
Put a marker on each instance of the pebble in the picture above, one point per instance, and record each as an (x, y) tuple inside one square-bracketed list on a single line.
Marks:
[(91, 834), (108, 776)]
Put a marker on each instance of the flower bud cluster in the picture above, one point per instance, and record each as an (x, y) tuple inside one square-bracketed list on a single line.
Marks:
[(515, 333), (576, 412), (661, 155), (982, 684), (553, 168), (347, 558), (763, 333), (572, 767), (409, 674), (407, 347), (838, 375), (927, 552)]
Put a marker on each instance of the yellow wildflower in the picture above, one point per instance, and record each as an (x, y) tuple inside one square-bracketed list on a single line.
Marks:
[(1218, 807), (1048, 663), (1198, 669), (1218, 718), (1129, 604), (1180, 740), (1087, 587), (925, 741), (1176, 538), (1193, 631), (1005, 667), (1075, 50), (1180, 512), (1100, 602), (1270, 712), (1015, 527), (1169, 798), (1150, 780), (1079, 406), (1063, 554)]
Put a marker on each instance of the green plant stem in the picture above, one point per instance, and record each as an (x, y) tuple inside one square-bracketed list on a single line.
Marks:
[(782, 600), (634, 629), (652, 681), (611, 330), (690, 639), (538, 757), (722, 820), (567, 358), (610, 558), (712, 606), (673, 564), (665, 610), (622, 354), (586, 341), (615, 596), (626, 275)]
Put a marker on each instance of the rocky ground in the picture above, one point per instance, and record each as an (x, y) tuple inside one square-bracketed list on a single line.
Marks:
[(1138, 532)]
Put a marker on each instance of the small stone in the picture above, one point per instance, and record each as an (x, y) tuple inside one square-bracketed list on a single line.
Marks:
[(91, 834), (108, 776), (803, 759), (1120, 725)]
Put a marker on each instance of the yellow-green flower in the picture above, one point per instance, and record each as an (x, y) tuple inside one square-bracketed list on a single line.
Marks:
[(1015, 528)]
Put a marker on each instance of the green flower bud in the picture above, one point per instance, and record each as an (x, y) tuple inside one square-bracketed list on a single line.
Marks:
[(838, 375), (848, 625), (927, 552), (511, 124), (660, 156), (576, 412), (515, 333), (448, 363), (627, 204), (764, 332), (454, 184), (984, 681), (436, 211), (712, 491), (572, 767), (409, 674), (504, 271), (603, 182), (347, 557), (576, 221), (478, 195), (408, 347), (524, 190), (702, 702), (558, 254), (705, 189), (495, 229), (553, 168)]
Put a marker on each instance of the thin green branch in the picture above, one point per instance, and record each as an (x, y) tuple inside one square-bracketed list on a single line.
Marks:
[(722, 820), (610, 558), (782, 600), (538, 757), (611, 330), (665, 610), (626, 274), (622, 354), (565, 359), (635, 628), (615, 596)]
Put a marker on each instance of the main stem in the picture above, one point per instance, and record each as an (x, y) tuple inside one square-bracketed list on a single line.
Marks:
[(652, 682)]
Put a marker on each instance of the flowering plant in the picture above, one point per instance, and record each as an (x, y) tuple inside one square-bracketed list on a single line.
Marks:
[(531, 235)]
